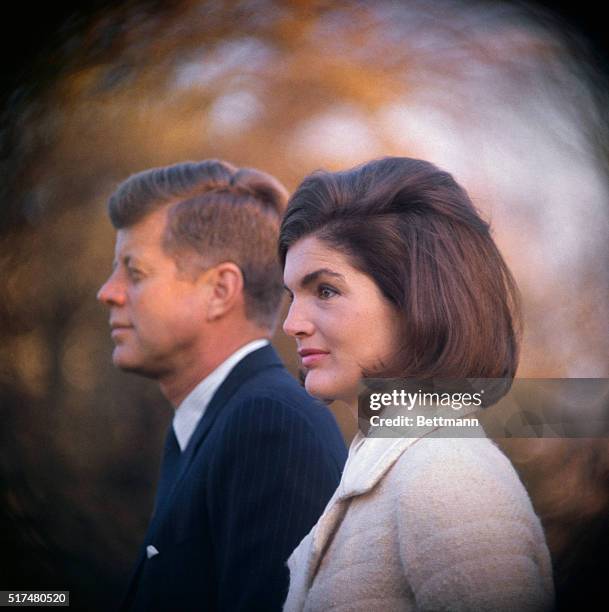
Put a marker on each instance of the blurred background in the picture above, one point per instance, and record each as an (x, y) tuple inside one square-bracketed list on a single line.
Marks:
[(510, 97)]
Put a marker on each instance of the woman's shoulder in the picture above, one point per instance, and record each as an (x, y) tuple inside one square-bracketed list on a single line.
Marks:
[(464, 472), (466, 527), (454, 454)]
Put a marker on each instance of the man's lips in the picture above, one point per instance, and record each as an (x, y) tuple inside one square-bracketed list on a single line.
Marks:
[(118, 328), (311, 356)]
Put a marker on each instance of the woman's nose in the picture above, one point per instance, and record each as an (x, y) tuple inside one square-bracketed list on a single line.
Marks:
[(297, 323)]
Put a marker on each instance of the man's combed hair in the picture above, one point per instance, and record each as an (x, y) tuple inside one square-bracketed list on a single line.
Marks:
[(217, 212), (412, 229)]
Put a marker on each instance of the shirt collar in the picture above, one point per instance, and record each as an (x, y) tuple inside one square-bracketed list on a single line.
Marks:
[(191, 410)]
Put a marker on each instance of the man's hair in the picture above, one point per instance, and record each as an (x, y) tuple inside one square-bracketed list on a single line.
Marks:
[(217, 212), (414, 231)]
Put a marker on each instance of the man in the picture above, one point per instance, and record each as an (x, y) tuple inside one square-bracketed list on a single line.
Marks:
[(250, 459)]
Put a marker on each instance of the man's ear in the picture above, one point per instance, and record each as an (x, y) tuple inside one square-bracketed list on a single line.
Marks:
[(225, 283)]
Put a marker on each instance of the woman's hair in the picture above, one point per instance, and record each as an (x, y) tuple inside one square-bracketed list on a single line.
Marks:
[(411, 228)]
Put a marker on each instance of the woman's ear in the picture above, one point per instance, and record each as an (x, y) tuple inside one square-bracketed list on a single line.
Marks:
[(225, 283)]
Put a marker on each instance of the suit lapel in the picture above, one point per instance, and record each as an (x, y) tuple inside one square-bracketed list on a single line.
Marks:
[(258, 360), (251, 364)]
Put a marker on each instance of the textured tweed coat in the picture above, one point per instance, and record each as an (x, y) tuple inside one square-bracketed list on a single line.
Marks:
[(424, 524)]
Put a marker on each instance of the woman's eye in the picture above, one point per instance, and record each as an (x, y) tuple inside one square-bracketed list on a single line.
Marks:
[(325, 292)]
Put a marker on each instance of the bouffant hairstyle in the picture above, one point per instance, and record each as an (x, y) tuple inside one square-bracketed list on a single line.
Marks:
[(217, 212), (412, 229)]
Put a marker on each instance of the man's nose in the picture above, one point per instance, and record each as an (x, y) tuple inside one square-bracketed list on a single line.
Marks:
[(111, 293), (296, 323)]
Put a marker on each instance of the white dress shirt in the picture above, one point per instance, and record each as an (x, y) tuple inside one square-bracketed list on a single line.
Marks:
[(191, 410)]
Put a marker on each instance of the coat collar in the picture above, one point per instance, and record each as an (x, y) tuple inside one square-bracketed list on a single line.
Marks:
[(370, 458), (372, 455)]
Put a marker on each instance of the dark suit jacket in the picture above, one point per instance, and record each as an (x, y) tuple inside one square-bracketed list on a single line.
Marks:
[(254, 478)]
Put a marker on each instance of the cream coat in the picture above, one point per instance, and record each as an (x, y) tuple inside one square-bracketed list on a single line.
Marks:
[(424, 524)]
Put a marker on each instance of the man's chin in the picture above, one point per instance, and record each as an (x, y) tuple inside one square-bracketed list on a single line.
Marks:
[(132, 366)]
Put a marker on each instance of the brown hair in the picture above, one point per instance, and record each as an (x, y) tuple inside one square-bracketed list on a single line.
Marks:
[(412, 229), (218, 213)]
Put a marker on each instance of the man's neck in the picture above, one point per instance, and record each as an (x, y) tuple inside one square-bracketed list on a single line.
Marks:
[(177, 385)]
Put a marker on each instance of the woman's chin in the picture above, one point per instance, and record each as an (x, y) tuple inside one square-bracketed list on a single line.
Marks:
[(317, 387), (328, 391)]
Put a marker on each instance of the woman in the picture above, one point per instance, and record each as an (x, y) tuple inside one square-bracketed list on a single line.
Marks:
[(392, 272)]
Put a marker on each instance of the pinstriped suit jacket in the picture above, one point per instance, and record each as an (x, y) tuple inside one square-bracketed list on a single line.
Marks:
[(253, 480)]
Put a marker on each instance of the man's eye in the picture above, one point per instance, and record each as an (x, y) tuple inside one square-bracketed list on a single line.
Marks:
[(134, 275), (325, 292)]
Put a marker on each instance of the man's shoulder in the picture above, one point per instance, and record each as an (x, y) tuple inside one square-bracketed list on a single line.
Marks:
[(273, 405), (262, 372), (274, 390), (262, 401), (275, 380), (271, 411)]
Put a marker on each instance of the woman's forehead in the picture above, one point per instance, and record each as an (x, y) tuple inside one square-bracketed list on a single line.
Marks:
[(310, 253)]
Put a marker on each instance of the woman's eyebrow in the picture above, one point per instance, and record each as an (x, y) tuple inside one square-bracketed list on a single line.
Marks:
[(311, 277)]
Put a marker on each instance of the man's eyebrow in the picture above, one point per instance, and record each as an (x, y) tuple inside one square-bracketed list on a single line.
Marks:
[(125, 260), (133, 260)]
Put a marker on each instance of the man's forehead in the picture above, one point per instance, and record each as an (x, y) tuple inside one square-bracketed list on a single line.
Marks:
[(122, 243), (131, 243), (146, 233)]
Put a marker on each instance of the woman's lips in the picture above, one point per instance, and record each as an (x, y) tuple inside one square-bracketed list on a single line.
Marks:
[(311, 357)]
